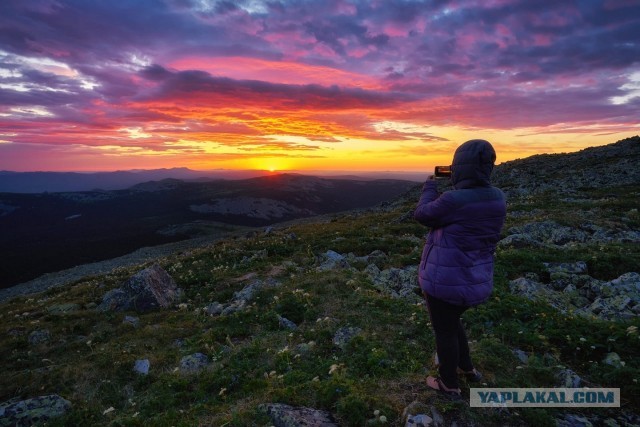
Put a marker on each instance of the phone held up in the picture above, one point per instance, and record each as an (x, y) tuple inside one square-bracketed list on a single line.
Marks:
[(443, 172)]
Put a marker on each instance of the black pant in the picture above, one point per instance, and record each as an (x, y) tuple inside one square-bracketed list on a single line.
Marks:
[(451, 340)]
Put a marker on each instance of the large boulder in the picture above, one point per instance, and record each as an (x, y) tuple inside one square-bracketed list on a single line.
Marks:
[(150, 289), (32, 411)]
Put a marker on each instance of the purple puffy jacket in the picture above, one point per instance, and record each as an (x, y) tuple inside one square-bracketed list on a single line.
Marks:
[(457, 260)]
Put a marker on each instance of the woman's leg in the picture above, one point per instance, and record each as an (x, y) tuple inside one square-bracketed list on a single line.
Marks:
[(451, 342)]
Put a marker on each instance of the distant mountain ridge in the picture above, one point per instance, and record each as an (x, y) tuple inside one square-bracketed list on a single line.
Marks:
[(40, 182), (46, 232), (59, 182)]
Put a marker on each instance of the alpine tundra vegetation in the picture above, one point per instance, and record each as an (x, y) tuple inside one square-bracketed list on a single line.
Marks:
[(316, 322)]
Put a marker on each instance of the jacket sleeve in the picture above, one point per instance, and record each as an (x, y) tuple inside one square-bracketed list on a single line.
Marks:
[(434, 210)]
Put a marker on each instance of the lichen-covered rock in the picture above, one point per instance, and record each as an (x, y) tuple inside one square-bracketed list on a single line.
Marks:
[(398, 282), (214, 309), (63, 308), (39, 336), (32, 411), (568, 379), (344, 335), (578, 267), (241, 299), (581, 293), (150, 289), (193, 363), (332, 260), (288, 416)]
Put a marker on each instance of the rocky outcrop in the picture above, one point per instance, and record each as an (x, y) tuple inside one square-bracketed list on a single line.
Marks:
[(288, 416), (570, 288), (241, 299), (550, 233), (32, 411), (150, 289)]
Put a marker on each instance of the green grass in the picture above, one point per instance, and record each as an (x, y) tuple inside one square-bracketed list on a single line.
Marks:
[(90, 357)]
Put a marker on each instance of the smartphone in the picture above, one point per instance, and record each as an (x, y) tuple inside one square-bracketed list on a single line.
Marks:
[(443, 171)]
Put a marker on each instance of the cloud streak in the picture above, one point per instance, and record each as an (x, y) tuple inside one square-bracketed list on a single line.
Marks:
[(254, 78)]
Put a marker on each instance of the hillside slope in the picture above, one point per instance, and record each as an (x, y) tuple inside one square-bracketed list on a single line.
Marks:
[(322, 315), (42, 233)]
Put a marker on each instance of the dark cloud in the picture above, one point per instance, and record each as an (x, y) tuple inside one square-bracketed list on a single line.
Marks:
[(216, 91)]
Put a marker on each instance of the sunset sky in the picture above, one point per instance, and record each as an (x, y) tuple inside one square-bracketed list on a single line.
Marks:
[(310, 85)]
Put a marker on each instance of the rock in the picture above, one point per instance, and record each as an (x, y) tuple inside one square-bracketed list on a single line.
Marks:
[(372, 271), (32, 411), (613, 359), (193, 363), (39, 336), (399, 283), (332, 260), (147, 290), (419, 420), (573, 420), (288, 416), (521, 355), (214, 309), (414, 414), (63, 308), (568, 379), (344, 335), (578, 267), (518, 241), (438, 419), (286, 323), (131, 320), (141, 366), (550, 233)]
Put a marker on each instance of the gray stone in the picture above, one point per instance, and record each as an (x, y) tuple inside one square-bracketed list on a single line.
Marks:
[(63, 308), (39, 336), (141, 366), (193, 363), (573, 420), (288, 416), (518, 241), (613, 359), (147, 290), (578, 267), (131, 320), (332, 260), (286, 323), (414, 414), (214, 309), (438, 419), (399, 283), (32, 411), (344, 335), (419, 420), (568, 379), (521, 356), (372, 270)]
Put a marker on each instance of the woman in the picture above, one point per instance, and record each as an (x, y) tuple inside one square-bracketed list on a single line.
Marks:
[(456, 269)]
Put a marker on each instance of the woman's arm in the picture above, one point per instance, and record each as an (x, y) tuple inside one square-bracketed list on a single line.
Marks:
[(433, 210)]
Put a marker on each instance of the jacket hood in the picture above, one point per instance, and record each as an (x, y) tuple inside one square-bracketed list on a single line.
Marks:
[(472, 164)]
